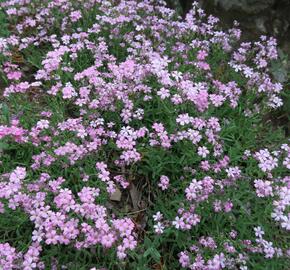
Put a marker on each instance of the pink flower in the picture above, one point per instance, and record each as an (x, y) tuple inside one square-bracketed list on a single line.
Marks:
[(75, 15), (266, 161), (14, 75), (42, 124), (108, 240), (228, 206), (163, 93), (233, 172), (202, 55), (263, 188), (18, 174), (68, 91), (164, 182), (183, 119), (127, 68), (184, 259), (129, 242)]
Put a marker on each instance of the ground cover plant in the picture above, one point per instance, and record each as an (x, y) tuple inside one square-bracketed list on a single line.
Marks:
[(134, 139)]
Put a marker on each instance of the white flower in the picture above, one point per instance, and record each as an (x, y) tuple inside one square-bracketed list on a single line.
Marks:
[(159, 228), (158, 216), (259, 232)]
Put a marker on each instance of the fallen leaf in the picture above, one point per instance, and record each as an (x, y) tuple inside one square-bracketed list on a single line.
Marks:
[(135, 196), (116, 196)]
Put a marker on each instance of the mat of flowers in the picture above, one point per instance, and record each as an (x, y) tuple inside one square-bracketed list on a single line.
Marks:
[(132, 138)]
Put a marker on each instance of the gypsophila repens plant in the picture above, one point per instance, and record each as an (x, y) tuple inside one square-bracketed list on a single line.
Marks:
[(131, 138)]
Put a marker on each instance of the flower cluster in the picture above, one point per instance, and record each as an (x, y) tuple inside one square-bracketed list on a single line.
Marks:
[(193, 258)]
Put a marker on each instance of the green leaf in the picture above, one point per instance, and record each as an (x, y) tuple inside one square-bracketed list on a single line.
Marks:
[(5, 112), (155, 255), (147, 252), (4, 146)]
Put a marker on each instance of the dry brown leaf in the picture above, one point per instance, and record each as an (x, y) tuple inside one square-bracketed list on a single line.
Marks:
[(17, 57), (135, 196), (116, 196)]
